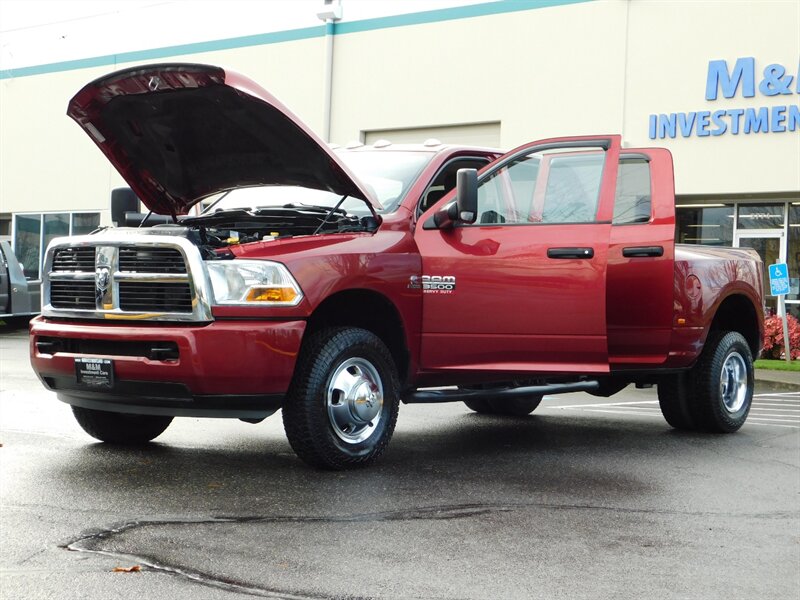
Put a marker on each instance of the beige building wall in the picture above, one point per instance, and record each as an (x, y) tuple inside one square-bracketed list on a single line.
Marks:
[(669, 47), (47, 163), (595, 67), (537, 72)]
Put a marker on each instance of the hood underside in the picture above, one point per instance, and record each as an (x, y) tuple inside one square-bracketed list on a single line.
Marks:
[(180, 133)]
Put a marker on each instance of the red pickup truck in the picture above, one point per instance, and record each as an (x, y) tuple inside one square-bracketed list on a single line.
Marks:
[(334, 284)]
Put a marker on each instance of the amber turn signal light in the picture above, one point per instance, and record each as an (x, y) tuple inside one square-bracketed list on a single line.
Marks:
[(271, 294)]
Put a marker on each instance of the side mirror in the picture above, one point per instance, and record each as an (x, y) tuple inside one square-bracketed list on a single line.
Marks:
[(467, 195), (465, 207), (123, 200)]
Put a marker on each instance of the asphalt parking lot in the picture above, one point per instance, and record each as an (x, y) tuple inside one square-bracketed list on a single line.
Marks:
[(586, 498)]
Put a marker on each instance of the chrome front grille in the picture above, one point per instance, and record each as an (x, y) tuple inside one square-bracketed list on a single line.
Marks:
[(132, 277), (74, 259), (73, 294), (155, 297), (151, 260)]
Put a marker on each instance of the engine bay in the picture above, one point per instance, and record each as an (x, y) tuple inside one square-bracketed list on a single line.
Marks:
[(223, 228)]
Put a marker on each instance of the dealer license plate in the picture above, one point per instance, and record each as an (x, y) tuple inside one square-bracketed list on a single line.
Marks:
[(95, 372)]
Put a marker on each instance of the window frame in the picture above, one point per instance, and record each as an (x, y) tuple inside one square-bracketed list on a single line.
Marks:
[(559, 144)]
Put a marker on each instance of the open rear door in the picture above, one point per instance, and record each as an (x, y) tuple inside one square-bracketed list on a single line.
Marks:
[(641, 259)]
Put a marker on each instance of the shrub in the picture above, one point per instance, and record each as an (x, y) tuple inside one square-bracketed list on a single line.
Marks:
[(773, 337)]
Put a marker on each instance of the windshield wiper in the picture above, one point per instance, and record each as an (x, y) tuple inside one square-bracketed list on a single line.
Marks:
[(289, 219), (311, 207), (220, 216), (254, 212)]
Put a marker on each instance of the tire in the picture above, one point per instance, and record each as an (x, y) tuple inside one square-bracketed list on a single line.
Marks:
[(716, 394), (512, 407), (516, 407), (120, 428), (608, 388), (342, 406), (480, 406), (722, 383), (674, 398)]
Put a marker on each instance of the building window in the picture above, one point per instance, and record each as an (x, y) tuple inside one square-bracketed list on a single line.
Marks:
[(761, 216), (83, 223), (34, 231), (710, 225), (28, 243)]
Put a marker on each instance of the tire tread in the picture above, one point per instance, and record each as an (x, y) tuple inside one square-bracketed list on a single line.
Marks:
[(120, 428), (309, 437), (707, 411)]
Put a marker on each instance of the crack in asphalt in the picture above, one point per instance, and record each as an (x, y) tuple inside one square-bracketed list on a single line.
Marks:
[(87, 541), (84, 544), (31, 556)]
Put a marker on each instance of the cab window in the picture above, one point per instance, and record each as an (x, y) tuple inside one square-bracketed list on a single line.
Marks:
[(553, 186), (445, 180)]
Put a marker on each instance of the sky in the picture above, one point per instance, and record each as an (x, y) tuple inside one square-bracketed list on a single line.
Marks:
[(37, 32)]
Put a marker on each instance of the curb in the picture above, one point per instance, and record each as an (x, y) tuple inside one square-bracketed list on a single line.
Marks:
[(788, 380)]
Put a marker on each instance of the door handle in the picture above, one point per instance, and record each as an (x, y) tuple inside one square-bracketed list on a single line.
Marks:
[(570, 253), (643, 251)]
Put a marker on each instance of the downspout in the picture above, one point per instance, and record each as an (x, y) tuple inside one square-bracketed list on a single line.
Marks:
[(327, 80), (330, 13)]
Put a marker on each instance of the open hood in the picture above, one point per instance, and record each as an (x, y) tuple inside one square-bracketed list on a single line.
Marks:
[(178, 133)]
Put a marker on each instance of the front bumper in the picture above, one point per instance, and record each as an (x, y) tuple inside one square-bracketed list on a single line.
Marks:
[(227, 368)]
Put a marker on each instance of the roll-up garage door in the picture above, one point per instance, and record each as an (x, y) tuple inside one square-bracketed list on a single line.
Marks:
[(474, 134)]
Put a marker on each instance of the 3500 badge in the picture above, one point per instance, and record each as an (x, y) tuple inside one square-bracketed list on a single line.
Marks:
[(433, 284)]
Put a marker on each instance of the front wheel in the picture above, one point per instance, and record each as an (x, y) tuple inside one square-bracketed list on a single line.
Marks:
[(119, 428), (342, 407)]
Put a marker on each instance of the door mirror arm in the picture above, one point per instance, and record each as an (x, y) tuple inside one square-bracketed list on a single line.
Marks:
[(447, 216)]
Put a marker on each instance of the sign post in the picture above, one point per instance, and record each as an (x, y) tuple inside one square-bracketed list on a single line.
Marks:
[(779, 286)]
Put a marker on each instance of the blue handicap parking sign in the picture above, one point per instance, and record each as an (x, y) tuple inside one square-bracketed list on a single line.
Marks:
[(778, 279)]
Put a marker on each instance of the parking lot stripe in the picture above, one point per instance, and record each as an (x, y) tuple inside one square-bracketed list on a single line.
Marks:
[(759, 415), (618, 412), (783, 401), (609, 404)]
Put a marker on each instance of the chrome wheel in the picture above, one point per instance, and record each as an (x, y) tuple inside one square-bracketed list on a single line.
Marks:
[(733, 382), (341, 409), (354, 400)]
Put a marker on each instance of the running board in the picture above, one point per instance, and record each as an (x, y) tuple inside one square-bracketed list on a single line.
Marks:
[(436, 396)]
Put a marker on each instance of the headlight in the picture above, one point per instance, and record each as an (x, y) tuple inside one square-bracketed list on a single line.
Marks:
[(253, 282)]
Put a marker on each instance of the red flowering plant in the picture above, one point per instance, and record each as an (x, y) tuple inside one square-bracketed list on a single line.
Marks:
[(773, 337)]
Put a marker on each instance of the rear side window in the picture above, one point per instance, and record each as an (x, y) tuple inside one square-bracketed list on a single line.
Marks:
[(632, 203)]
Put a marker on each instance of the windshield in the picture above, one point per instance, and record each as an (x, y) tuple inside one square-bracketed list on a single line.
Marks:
[(388, 174)]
